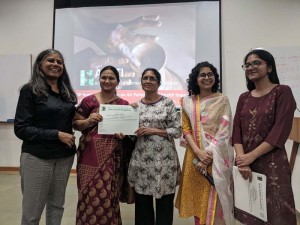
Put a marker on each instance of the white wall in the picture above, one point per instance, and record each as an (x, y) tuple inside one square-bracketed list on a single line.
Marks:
[(26, 27)]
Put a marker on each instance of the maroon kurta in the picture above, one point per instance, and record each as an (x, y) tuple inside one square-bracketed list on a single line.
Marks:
[(268, 119), (98, 170)]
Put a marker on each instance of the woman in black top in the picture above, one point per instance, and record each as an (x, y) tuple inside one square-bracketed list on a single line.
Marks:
[(43, 121)]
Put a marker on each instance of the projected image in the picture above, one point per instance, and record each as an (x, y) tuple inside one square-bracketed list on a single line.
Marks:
[(131, 38)]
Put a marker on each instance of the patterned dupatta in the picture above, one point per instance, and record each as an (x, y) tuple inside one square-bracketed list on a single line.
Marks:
[(211, 126)]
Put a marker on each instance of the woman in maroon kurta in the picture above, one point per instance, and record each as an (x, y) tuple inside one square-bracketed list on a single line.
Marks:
[(262, 124), (98, 157)]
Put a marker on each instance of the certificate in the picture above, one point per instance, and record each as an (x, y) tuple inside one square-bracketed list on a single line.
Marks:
[(118, 119), (250, 196)]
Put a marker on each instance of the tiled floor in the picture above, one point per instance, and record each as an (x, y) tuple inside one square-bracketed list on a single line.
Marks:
[(10, 204)]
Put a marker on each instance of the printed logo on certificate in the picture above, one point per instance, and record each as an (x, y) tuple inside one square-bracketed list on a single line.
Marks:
[(118, 119), (250, 196)]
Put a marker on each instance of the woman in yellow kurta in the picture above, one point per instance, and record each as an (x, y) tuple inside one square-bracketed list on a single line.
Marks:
[(206, 124)]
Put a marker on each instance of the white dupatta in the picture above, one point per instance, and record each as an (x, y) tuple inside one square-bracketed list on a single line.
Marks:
[(212, 132)]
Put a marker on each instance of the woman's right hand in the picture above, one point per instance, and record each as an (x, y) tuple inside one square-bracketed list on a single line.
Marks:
[(246, 172), (200, 166), (66, 138), (93, 119)]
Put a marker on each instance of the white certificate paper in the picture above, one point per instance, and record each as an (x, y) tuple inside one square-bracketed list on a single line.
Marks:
[(250, 197), (118, 119)]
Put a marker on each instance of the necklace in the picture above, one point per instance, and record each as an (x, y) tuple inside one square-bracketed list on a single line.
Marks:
[(105, 101)]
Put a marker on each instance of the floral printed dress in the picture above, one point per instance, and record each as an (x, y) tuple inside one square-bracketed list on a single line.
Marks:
[(154, 168)]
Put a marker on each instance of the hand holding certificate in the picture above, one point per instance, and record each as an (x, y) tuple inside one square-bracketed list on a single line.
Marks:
[(250, 196), (118, 119)]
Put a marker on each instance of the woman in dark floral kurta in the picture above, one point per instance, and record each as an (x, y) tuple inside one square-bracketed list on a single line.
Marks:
[(262, 125), (99, 157)]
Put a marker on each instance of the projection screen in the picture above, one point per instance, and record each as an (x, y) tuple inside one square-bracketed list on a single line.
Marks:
[(171, 37)]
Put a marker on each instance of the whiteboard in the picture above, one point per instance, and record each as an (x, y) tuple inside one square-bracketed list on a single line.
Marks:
[(15, 71), (288, 69)]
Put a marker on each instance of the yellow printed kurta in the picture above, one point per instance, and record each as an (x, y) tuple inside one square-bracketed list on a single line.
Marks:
[(209, 124), (190, 200)]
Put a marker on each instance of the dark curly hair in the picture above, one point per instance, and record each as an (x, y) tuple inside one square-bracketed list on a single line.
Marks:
[(192, 82), (269, 59)]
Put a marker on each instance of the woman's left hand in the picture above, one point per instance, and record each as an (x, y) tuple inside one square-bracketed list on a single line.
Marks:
[(134, 105), (244, 160), (66, 138), (145, 131), (120, 135), (205, 156)]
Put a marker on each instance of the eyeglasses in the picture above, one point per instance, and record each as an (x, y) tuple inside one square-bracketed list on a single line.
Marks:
[(254, 64), (145, 78), (204, 75)]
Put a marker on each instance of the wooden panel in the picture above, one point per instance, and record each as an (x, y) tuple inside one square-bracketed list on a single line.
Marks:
[(295, 132)]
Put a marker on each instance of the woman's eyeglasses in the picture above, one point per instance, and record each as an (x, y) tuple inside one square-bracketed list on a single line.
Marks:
[(204, 75), (152, 79), (254, 64)]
